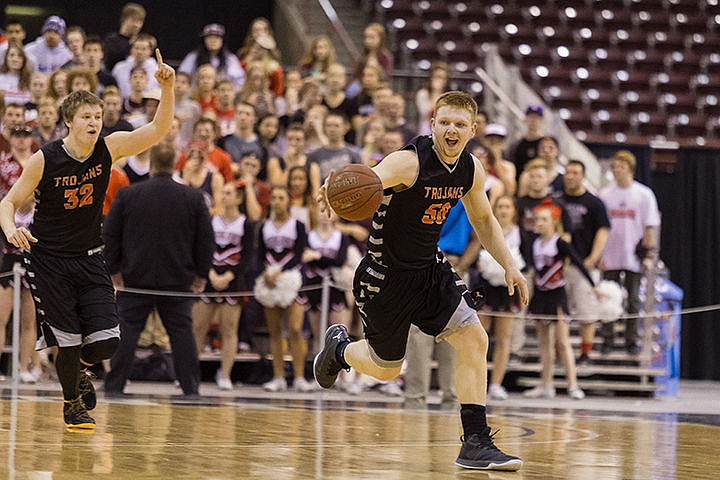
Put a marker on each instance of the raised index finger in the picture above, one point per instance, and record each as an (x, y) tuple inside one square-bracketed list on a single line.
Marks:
[(158, 56)]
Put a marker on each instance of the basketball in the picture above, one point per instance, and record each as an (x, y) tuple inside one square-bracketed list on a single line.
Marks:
[(355, 192)]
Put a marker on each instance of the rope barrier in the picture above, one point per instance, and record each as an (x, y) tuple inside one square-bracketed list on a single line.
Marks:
[(167, 293), (657, 315)]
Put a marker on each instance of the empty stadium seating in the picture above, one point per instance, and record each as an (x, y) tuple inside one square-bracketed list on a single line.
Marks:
[(646, 67)]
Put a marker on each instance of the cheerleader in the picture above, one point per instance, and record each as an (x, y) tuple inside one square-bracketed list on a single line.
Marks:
[(327, 248), (282, 241), (233, 249), (549, 253), (500, 308), (29, 357)]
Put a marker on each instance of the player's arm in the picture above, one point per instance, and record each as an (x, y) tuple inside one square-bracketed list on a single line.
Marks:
[(18, 194), (490, 233), (124, 144), (398, 169)]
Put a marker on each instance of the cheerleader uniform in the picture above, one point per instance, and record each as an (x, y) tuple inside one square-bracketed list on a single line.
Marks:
[(233, 249), (205, 188), (11, 254), (497, 298), (281, 246), (548, 258), (334, 253)]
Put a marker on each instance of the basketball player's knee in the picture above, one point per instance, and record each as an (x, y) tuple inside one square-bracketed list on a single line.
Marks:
[(96, 352), (473, 344), (386, 374), (478, 339)]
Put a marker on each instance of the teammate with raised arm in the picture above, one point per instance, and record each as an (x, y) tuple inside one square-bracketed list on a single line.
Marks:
[(406, 279), (74, 296)]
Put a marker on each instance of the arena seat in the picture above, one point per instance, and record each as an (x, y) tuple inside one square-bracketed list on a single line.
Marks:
[(594, 77), (650, 123), (639, 101), (629, 39), (710, 105), (570, 97), (594, 37), (602, 99), (637, 61), (689, 125), (635, 80), (683, 6), (686, 62), (652, 19), (616, 19), (671, 41), (554, 36), (672, 82), (677, 103), (611, 59), (690, 22), (710, 63), (647, 61), (704, 42), (571, 57), (578, 18), (612, 121), (577, 120)]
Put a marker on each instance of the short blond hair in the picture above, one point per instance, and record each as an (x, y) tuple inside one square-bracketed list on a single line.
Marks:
[(627, 157), (535, 163), (457, 99), (75, 100)]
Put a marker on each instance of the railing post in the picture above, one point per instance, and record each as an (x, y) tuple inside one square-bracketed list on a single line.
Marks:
[(324, 306), (18, 272)]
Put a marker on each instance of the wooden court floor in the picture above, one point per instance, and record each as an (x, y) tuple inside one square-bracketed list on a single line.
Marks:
[(235, 438)]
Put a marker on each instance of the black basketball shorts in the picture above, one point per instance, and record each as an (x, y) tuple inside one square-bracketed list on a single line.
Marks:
[(74, 299), (389, 300)]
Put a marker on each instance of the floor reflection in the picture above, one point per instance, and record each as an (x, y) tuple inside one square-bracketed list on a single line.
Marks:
[(278, 440)]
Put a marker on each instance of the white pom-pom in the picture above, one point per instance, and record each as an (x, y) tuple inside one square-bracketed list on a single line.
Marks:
[(282, 294), (492, 271), (343, 276), (610, 303)]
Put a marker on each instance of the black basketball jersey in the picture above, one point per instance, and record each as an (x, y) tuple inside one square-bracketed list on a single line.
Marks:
[(406, 227), (69, 201)]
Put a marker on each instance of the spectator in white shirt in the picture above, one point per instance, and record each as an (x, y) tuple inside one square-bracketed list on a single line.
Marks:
[(49, 52), (141, 50), (634, 222)]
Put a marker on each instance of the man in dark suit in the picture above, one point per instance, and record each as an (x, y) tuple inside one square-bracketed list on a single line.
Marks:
[(158, 236)]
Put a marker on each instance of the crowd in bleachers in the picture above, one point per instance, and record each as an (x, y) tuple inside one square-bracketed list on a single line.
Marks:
[(258, 137)]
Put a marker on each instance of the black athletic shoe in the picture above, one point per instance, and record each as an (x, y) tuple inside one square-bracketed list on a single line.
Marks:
[(87, 389), (76, 415), (583, 359), (480, 453), (326, 365)]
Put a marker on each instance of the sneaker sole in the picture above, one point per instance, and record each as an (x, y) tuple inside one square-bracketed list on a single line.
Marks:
[(510, 466), (80, 427)]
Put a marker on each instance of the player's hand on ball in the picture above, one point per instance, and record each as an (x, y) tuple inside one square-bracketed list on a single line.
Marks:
[(322, 200)]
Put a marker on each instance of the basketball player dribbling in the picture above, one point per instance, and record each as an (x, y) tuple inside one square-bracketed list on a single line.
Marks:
[(73, 293), (406, 279)]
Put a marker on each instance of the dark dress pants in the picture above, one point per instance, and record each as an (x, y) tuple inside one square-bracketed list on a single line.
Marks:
[(175, 315)]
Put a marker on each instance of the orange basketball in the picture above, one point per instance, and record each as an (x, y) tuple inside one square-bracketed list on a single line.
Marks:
[(355, 192)]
